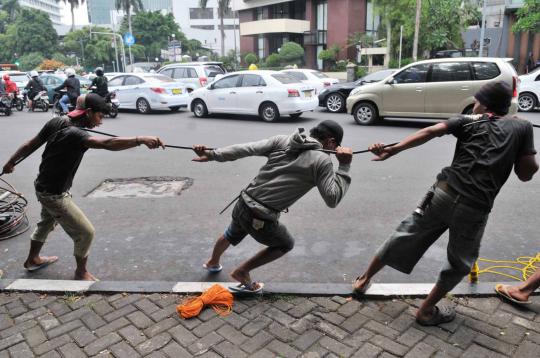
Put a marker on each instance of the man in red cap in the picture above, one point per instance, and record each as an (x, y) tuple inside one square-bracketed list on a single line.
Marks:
[(295, 165), (66, 142), (489, 145)]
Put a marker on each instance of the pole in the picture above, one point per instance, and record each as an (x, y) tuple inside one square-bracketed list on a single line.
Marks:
[(121, 43), (483, 30), (416, 30), (400, 44), (235, 48)]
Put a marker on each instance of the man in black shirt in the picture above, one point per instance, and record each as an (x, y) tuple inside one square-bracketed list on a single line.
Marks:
[(34, 86), (489, 145), (66, 142), (73, 87)]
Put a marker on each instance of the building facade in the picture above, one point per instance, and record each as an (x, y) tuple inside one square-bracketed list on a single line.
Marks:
[(101, 12), (315, 24), (52, 7)]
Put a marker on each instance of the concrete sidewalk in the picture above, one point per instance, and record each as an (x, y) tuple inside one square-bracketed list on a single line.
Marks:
[(133, 325)]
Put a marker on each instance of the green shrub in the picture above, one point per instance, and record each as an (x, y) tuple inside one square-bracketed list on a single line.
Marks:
[(291, 53), (250, 58), (341, 65), (394, 63), (361, 71), (272, 61)]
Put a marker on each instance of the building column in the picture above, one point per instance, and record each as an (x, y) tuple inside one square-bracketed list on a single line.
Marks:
[(536, 47), (523, 51), (511, 37), (310, 51)]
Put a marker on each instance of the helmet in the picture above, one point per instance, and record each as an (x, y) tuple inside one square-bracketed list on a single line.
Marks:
[(6, 77), (99, 71), (33, 74), (70, 72)]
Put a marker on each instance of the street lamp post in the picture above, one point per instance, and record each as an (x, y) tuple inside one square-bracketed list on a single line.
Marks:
[(483, 30)]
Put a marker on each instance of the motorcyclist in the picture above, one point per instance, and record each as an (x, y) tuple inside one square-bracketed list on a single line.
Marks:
[(73, 87), (99, 83), (10, 86), (34, 86)]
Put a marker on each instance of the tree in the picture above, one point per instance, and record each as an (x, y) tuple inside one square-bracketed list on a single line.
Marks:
[(11, 7), (92, 51), (223, 9), (30, 61), (273, 60), (73, 4), (250, 58), (528, 17), (48, 64), (128, 6), (291, 53)]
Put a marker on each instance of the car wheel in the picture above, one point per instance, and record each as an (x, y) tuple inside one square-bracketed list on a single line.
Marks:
[(143, 106), (199, 109), (335, 103), (295, 115), (269, 112), (365, 114), (526, 102), (113, 112), (19, 105)]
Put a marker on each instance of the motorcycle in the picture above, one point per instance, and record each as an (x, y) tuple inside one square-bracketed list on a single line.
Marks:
[(41, 101), (57, 108), (17, 101), (5, 104), (112, 102)]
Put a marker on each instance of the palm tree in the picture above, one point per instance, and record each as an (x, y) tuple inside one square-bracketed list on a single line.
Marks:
[(11, 7), (223, 8), (73, 4), (128, 6)]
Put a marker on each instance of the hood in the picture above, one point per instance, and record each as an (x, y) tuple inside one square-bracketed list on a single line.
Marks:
[(300, 140)]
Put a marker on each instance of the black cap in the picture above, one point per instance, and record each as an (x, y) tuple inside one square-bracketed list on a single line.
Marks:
[(334, 128), (496, 96), (91, 101)]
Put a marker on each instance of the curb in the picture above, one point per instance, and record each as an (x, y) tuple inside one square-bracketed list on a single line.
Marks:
[(377, 290)]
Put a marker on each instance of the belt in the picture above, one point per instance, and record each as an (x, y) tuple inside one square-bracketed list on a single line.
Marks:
[(459, 198)]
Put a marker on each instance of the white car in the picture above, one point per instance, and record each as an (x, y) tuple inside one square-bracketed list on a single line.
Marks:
[(268, 94), (529, 91), (149, 91), (20, 78), (314, 78)]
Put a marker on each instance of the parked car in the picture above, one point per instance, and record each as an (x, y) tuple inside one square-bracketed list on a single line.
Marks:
[(149, 91), (193, 74), (20, 78), (111, 75), (529, 91), (314, 78), (268, 94), (52, 81), (333, 97), (437, 88)]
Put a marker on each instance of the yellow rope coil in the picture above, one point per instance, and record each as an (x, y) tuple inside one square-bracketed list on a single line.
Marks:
[(523, 265)]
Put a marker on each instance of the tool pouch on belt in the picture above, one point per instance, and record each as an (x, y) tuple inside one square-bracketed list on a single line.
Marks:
[(426, 200)]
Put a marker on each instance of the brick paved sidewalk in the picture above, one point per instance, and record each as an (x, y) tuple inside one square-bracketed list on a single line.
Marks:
[(133, 325)]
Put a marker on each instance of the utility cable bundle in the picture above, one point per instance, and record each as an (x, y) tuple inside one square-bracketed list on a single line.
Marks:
[(523, 267), (13, 220)]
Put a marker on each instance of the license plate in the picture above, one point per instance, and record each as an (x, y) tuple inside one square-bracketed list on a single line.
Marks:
[(307, 94), (177, 91)]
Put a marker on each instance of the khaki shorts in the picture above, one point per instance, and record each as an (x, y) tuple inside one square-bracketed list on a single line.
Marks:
[(60, 209)]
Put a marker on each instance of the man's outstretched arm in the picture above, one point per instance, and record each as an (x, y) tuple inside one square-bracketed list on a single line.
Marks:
[(24, 151), (414, 140), (122, 143)]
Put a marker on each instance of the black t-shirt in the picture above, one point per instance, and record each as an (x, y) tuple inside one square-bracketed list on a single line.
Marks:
[(63, 154), (485, 154)]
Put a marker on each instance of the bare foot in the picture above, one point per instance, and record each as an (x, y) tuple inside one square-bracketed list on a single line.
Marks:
[(85, 276), (360, 285), (211, 263), (244, 278)]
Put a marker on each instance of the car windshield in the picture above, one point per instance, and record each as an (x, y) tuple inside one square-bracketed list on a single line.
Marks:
[(158, 78), (319, 74), (376, 76), (285, 79), (19, 78), (213, 70)]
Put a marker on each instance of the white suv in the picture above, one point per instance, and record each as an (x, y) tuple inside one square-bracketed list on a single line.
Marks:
[(437, 88), (193, 74)]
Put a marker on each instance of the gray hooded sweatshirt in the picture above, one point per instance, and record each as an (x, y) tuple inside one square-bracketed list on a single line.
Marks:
[(292, 169)]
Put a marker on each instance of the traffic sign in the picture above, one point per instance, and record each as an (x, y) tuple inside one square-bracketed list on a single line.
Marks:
[(129, 39)]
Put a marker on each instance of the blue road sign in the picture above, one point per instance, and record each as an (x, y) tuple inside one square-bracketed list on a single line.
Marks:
[(129, 39)]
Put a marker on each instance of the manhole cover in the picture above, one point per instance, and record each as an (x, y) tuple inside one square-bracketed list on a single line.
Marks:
[(149, 187)]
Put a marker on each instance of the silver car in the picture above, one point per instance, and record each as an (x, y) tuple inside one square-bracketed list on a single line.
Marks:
[(193, 74)]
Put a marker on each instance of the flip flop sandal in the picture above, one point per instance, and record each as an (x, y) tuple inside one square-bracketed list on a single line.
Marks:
[(247, 288), (213, 269), (41, 265), (502, 291), (442, 315), (357, 291)]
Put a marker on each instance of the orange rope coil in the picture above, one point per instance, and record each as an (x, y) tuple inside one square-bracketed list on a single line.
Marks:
[(216, 296)]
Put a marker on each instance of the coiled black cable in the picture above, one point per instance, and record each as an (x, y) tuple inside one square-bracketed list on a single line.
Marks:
[(13, 219)]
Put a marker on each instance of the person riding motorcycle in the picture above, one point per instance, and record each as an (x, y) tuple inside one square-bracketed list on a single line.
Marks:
[(10, 87), (99, 83), (34, 86), (73, 87)]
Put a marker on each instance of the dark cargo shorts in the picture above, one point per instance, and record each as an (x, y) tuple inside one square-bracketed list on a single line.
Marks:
[(270, 233)]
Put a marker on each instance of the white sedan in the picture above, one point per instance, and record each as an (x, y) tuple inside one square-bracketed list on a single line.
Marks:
[(268, 94), (529, 91), (149, 91), (314, 78)]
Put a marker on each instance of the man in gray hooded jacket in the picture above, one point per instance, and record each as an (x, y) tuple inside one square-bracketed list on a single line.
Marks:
[(295, 165)]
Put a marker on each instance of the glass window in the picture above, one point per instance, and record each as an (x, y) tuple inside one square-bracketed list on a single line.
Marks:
[(199, 13), (179, 72), (252, 81), (117, 81), (537, 78), (213, 70), (202, 27), (228, 27), (157, 78), (191, 73), (227, 82), (132, 80), (485, 70), (322, 15), (298, 75), (167, 72), (319, 74), (285, 78), (414, 74), (450, 71), (376, 76), (259, 13), (19, 78)]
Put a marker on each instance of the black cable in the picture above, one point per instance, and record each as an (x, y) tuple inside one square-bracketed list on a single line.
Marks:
[(13, 219)]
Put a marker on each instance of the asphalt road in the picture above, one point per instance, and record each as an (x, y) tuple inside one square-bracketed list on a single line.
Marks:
[(168, 239)]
